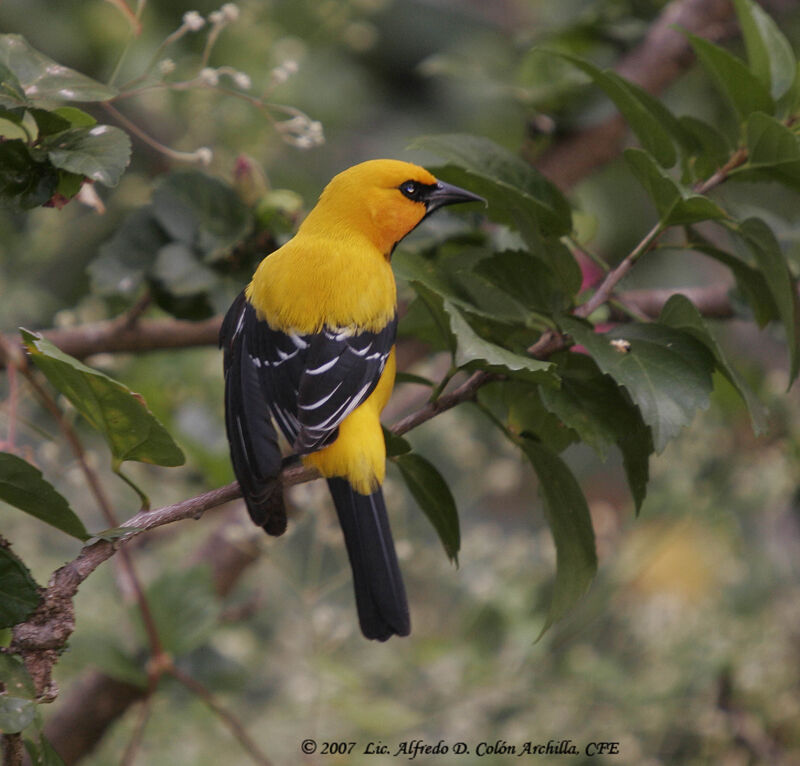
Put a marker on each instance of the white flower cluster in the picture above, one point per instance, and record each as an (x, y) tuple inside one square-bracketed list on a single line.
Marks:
[(301, 131), (284, 71)]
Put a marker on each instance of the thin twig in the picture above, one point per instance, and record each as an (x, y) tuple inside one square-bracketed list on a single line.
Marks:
[(224, 715)]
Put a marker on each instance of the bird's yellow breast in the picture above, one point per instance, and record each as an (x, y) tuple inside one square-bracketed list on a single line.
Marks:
[(312, 281)]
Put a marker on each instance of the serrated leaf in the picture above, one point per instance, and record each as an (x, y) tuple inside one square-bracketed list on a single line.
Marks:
[(43, 79), (510, 185), (743, 89), (24, 182), (679, 312), (434, 498), (121, 416), (202, 212), (185, 608), (649, 127), (769, 53), (19, 594), (15, 714), (666, 372), (676, 204), (473, 352), (100, 153), (24, 487), (571, 526), (772, 264)]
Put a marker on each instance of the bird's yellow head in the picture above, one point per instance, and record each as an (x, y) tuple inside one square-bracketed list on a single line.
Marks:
[(383, 200)]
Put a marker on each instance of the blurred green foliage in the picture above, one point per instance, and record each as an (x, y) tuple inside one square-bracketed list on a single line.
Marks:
[(685, 650)]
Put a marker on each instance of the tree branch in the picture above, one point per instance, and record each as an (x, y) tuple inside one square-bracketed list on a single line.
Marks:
[(655, 63)]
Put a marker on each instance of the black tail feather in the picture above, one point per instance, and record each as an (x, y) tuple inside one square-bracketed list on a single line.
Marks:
[(380, 594)]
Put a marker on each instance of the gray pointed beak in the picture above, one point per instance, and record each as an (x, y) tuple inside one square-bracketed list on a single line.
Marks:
[(446, 194)]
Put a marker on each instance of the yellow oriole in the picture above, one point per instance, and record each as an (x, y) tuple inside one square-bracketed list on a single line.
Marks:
[(310, 344)]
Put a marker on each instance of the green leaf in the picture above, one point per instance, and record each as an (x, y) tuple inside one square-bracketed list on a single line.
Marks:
[(409, 377), (19, 594), (772, 263), (434, 498), (24, 182), (11, 131), (11, 93), (679, 312), (185, 608), (121, 416), (106, 653), (474, 352), (511, 186), (16, 679), (675, 203), (15, 714), (77, 118), (593, 405), (649, 127), (202, 212), (744, 90), (48, 122), (24, 487), (769, 53), (712, 146), (770, 142), (749, 281), (43, 79), (395, 445), (571, 526), (42, 753), (178, 270), (666, 372), (126, 258), (101, 153), (518, 407)]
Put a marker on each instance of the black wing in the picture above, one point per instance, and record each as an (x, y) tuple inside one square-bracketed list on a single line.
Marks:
[(341, 371), (255, 453)]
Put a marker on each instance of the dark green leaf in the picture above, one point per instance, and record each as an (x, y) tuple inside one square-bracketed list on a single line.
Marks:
[(666, 372), (24, 487), (679, 312), (101, 153), (474, 352), (16, 679), (675, 203), (49, 122), (77, 118), (124, 259), (511, 186), (15, 714), (571, 525), (649, 127), (518, 407), (11, 93), (42, 79), (24, 182), (202, 212), (769, 53), (12, 131), (121, 416), (19, 594), (179, 271), (772, 263), (713, 148), (600, 412), (395, 445), (42, 753), (770, 142), (745, 91), (434, 498), (185, 608)]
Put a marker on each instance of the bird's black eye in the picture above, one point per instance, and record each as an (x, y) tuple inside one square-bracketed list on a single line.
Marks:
[(411, 189)]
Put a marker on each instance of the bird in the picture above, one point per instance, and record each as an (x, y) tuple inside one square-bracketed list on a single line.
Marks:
[(308, 346)]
